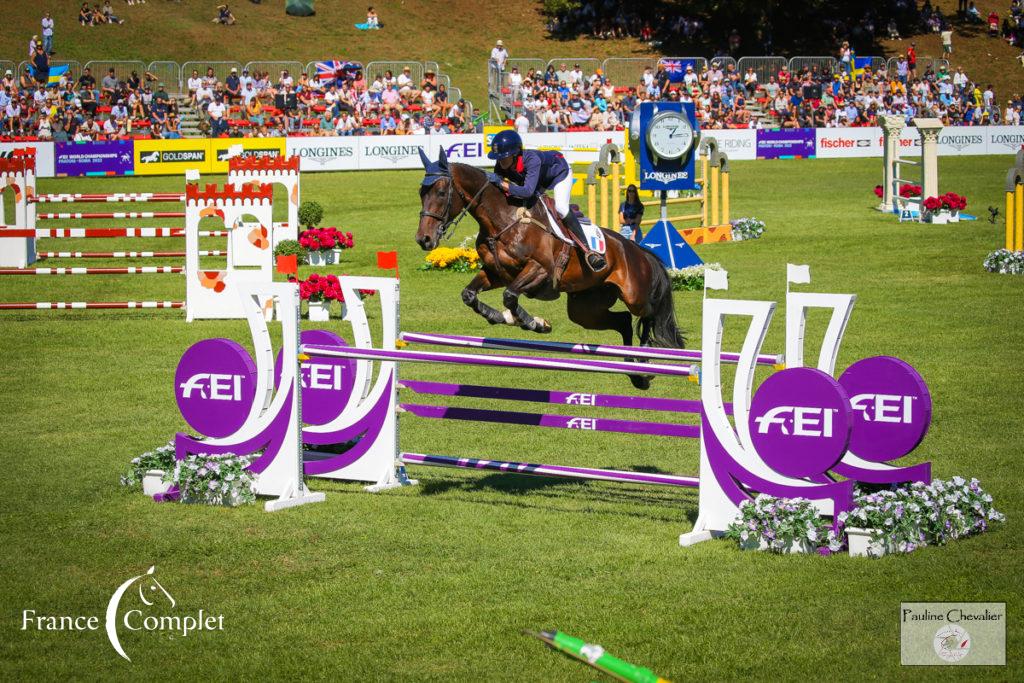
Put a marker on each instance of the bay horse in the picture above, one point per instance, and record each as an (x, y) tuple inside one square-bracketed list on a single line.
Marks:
[(519, 252)]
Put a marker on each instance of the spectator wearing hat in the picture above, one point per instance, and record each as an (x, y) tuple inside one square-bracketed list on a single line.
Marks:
[(233, 87), (217, 112), (406, 86), (224, 16), (499, 55)]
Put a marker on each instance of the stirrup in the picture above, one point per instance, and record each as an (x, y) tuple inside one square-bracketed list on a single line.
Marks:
[(596, 261)]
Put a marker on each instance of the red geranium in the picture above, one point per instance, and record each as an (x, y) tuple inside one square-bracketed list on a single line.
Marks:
[(325, 288), (950, 201), (910, 191), (316, 239), (878, 191)]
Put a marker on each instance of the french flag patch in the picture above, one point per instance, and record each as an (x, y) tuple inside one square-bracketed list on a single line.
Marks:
[(597, 243)]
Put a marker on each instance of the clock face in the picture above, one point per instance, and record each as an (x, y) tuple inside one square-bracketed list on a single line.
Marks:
[(669, 135)]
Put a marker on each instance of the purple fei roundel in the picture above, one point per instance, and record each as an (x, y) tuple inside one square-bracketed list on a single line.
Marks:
[(215, 386), (326, 382), (800, 422), (892, 408)]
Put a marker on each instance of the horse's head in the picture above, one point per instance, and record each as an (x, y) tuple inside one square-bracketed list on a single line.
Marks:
[(441, 201)]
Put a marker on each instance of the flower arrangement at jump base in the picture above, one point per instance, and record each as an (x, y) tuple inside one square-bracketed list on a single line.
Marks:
[(896, 520), (323, 245), (1005, 262), (215, 479), (461, 259), (945, 208), (319, 291), (151, 471), (906, 191), (746, 229), (691, 278)]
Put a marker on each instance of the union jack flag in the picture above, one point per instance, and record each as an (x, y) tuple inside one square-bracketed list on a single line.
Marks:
[(334, 69), (675, 68)]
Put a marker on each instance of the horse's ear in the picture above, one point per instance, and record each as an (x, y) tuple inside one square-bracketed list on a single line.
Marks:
[(425, 159), (442, 158)]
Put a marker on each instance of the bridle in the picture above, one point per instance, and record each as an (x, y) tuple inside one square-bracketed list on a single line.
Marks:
[(447, 224)]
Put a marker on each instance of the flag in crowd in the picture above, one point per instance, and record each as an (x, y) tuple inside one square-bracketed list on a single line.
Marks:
[(56, 73)]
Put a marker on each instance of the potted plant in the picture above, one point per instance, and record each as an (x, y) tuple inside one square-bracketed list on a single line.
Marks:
[(945, 208), (747, 229), (151, 471), (342, 240), (781, 525), (291, 248), (310, 215), (215, 479), (318, 291)]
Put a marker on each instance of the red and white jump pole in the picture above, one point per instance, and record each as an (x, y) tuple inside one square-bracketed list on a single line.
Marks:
[(64, 305), (114, 198), (124, 254), (114, 214), (134, 270)]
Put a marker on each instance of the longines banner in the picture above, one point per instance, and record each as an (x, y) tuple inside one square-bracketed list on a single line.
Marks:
[(174, 157)]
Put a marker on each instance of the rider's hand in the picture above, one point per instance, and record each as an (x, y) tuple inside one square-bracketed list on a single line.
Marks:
[(495, 179)]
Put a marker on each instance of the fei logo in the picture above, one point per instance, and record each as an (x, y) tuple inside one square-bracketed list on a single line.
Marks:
[(581, 399), (582, 423), (884, 407), (797, 420), (465, 150), (326, 383), (121, 618), (214, 386), (800, 422)]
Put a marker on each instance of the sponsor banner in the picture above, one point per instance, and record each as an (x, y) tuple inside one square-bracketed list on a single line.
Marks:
[(1002, 139), (393, 151), (251, 147), (783, 143), (833, 143), (464, 149), (94, 158), (44, 155), (738, 144), (172, 157), (325, 153)]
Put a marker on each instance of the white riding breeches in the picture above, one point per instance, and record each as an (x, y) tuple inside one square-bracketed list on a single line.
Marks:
[(562, 192)]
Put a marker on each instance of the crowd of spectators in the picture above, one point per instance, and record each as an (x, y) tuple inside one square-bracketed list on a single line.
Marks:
[(567, 99), (241, 105)]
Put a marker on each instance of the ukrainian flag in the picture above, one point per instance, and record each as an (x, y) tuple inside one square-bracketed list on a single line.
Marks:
[(55, 75), (860, 66)]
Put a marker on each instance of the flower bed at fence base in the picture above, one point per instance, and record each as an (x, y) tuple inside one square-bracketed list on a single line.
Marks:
[(460, 259), (691, 278), (749, 228), (1005, 262)]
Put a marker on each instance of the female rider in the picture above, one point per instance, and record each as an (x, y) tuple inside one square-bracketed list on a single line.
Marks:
[(524, 173)]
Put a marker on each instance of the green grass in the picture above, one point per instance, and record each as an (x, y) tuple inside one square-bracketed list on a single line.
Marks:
[(436, 582)]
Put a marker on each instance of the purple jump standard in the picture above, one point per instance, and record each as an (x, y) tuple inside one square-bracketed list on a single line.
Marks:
[(551, 470), (646, 352), (534, 363)]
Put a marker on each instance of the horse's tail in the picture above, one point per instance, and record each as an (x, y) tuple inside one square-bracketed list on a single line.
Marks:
[(658, 327)]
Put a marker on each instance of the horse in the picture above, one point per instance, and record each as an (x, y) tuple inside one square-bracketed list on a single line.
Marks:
[(519, 252)]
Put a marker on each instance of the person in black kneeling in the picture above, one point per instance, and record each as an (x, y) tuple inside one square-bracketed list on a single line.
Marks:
[(528, 173)]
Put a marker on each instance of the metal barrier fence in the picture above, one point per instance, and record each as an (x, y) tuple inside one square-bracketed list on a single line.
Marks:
[(723, 62), (74, 68), (626, 71), (294, 69), (524, 64), (587, 65), (220, 69), (818, 65), (122, 69), (923, 64), (764, 67), (877, 63), (374, 69), (168, 73)]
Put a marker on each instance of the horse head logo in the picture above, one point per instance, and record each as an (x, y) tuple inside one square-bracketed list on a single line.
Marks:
[(150, 591)]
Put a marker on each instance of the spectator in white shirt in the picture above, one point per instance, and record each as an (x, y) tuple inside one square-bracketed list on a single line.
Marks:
[(499, 55), (522, 124), (47, 34), (285, 81), (248, 92), (576, 75), (203, 95)]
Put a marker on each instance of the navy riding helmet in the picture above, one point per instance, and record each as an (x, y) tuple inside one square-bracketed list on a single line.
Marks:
[(505, 144)]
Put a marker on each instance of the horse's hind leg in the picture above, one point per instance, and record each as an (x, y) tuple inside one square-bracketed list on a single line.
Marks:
[(481, 283), (590, 309), (530, 278)]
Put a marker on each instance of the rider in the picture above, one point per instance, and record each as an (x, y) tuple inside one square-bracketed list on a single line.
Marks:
[(523, 173)]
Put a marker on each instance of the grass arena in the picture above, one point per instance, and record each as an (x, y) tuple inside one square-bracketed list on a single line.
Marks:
[(436, 581)]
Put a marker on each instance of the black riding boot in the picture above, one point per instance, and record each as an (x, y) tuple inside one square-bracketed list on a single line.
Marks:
[(595, 261)]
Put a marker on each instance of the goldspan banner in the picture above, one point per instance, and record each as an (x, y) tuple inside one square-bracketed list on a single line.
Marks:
[(172, 157), (251, 147)]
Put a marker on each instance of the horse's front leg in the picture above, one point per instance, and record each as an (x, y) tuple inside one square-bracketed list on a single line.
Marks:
[(470, 297), (529, 278)]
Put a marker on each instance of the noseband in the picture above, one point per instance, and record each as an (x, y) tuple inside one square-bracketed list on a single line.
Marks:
[(447, 224)]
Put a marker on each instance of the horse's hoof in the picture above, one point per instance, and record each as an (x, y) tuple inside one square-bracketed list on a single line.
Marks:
[(642, 382), (509, 318), (541, 325)]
